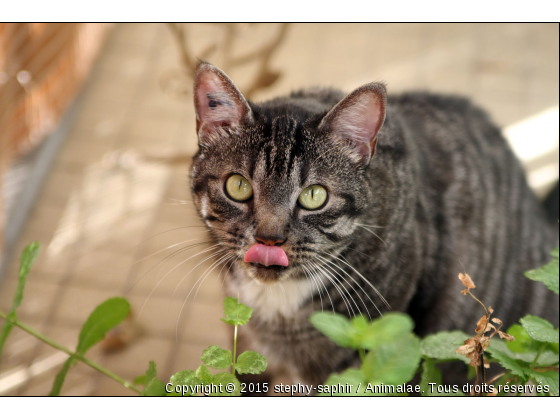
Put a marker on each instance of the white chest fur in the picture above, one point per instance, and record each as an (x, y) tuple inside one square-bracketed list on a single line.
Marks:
[(283, 299)]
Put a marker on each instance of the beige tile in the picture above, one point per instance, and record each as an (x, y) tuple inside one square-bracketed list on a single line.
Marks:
[(175, 272), (18, 350), (119, 90), (133, 360), (98, 118), (45, 217), (82, 153), (108, 387), (103, 268), (76, 384), (42, 234), (203, 325), (166, 232), (123, 236), (77, 302), (38, 299), (60, 184), (157, 316), (179, 215), (47, 267)]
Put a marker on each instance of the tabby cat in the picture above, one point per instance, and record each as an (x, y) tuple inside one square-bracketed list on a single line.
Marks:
[(363, 204)]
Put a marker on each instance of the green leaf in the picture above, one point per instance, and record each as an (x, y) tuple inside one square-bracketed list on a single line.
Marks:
[(226, 380), (335, 326), (204, 374), (522, 343), (546, 378), (547, 357), (156, 388), (187, 379), (235, 312), (153, 387), (430, 374), (216, 357), (354, 377), (539, 329), (250, 362), (554, 346), (442, 345), (548, 274), (516, 367), (394, 362), (60, 377), (28, 256), (140, 380), (26, 260), (358, 333), (382, 330), (103, 318)]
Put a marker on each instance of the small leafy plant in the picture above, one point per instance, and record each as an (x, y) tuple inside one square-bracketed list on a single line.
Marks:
[(115, 310), (188, 382), (389, 351), (391, 354)]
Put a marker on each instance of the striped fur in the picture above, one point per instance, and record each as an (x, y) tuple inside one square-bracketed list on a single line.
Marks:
[(442, 195)]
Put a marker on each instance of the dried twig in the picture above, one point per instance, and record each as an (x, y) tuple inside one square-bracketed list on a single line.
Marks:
[(474, 347), (264, 76)]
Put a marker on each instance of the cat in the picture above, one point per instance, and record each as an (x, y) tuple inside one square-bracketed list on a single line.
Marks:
[(363, 204)]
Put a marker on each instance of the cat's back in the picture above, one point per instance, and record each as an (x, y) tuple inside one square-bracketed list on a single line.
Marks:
[(483, 216)]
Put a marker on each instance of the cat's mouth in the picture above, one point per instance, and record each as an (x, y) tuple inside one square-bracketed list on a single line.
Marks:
[(267, 275), (268, 256), (267, 263)]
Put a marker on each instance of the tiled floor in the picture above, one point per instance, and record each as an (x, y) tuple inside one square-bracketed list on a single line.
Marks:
[(105, 217)]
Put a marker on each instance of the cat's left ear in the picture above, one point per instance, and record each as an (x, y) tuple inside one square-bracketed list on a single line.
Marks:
[(357, 119), (217, 101)]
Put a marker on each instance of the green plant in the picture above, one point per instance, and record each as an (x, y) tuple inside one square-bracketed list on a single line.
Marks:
[(391, 354), (188, 382), (111, 313), (389, 351)]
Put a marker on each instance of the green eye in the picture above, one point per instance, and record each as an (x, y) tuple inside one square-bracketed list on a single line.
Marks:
[(238, 188), (313, 197)]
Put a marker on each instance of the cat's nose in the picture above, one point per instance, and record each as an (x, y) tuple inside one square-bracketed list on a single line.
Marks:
[(270, 240)]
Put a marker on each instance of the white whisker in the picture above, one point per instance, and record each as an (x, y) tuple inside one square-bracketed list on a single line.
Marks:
[(358, 284), (341, 278), (342, 295), (162, 262), (363, 278), (373, 233), (169, 272), (314, 272)]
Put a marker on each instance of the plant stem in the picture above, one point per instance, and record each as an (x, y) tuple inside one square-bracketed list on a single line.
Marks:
[(538, 355), (481, 304), (234, 350), (57, 346), (483, 370)]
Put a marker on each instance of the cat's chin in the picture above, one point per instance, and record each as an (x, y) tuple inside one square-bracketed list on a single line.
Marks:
[(266, 275)]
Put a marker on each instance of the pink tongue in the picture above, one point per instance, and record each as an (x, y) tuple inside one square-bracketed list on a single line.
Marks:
[(266, 255)]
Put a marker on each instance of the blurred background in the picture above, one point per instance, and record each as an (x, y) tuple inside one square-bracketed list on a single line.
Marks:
[(96, 132)]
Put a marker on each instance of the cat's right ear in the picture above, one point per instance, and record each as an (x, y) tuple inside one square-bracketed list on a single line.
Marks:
[(356, 120), (217, 101)]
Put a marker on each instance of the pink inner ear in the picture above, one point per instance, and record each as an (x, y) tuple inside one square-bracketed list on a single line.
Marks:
[(360, 121), (215, 104)]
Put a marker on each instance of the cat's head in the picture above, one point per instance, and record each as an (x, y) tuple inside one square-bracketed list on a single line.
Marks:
[(282, 184)]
